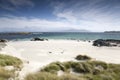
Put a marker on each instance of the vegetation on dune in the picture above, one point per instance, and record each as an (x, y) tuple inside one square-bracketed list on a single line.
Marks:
[(50, 76), (82, 57), (6, 60), (41, 76), (87, 70), (5, 74), (71, 77), (52, 68), (78, 67)]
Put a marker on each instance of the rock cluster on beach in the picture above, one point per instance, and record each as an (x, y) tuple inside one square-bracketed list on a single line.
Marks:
[(3, 43), (107, 42), (3, 40), (39, 39)]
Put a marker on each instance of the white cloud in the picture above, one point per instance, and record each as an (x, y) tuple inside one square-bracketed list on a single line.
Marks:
[(91, 15), (67, 15), (34, 23)]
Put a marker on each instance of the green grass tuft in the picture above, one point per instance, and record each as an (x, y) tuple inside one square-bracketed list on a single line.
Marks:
[(6, 60), (41, 76), (52, 68), (82, 57)]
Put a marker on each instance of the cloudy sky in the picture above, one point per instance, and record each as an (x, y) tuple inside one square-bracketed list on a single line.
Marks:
[(59, 15)]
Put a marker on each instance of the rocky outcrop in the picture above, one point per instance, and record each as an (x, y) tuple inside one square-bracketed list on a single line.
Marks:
[(3, 40), (107, 42), (3, 43), (39, 39)]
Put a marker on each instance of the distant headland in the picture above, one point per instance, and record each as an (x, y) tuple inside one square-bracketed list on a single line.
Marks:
[(112, 32), (15, 33)]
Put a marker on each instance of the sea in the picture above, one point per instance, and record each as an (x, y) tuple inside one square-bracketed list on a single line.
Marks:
[(63, 36)]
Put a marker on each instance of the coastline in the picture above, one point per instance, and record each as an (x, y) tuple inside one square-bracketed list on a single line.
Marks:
[(36, 54)]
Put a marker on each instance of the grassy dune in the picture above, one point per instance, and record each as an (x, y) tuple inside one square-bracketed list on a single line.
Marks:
[(86, 70), (6, 60)]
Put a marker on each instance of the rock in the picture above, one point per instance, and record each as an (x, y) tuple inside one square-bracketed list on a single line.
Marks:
[(107, 42), (3, 43), (50, 52), (39, 39), (100, 42), (113, 41), (89, 41), (3, 40)]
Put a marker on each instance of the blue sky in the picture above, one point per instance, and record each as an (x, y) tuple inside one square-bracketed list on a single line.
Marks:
[(59, 15)]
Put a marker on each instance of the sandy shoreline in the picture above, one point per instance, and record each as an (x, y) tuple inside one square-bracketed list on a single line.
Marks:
[(40, 53)]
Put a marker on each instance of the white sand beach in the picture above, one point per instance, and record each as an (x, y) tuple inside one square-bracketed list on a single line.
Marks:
[(36, 54)]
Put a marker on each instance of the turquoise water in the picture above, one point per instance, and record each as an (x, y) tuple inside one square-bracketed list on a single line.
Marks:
[(64, 35)]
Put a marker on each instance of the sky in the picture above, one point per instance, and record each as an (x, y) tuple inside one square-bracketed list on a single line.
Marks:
[(59, 15)]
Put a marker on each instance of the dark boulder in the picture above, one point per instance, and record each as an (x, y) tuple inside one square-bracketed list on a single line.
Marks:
[(107, 42), (100, 42), (3, 40), (113, 41), (39, 39)]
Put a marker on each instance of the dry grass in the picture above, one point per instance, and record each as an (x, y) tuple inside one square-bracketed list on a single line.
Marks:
[(5, 74)]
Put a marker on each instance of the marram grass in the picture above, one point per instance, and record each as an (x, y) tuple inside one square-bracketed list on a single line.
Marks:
[(6, 60), (85, 70)]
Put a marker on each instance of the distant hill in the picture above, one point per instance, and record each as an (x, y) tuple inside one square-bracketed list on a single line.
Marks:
[(76, 30), (112, 32)]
